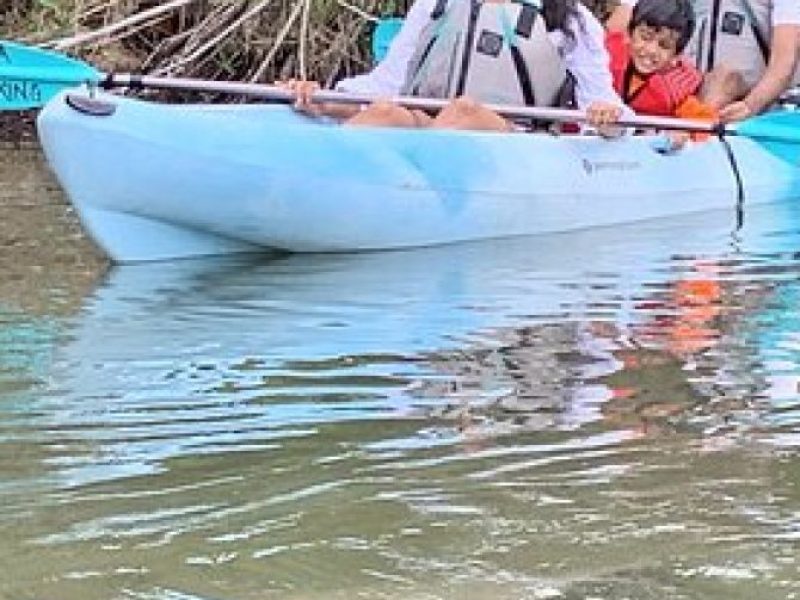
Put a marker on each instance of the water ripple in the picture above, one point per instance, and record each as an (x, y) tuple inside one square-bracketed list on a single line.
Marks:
[(612, 413)]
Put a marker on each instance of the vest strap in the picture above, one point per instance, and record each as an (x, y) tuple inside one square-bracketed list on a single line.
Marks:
[(761, 39), (629, 95), (439, 9), (523, 76), (526, 20)]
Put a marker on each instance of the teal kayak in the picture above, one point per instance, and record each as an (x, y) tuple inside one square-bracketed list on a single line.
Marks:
[(155, 181)]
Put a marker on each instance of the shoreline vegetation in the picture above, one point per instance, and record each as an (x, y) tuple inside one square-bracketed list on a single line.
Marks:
[(241, 40), (245, 40)]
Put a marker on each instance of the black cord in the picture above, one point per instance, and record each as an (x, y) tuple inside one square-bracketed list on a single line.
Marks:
[(740, 197)]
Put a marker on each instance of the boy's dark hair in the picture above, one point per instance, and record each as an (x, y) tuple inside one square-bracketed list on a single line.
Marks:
[(677, 15)]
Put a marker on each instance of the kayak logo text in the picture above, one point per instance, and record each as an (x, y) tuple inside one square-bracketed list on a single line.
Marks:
[(593, 167), (20, 91)]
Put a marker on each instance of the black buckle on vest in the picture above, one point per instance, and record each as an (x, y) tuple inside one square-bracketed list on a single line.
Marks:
[(438, 9), (732, 23), (489, 43), (526, 20)]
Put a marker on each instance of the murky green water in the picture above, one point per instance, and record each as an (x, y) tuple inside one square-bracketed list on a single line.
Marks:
[(610, 414)]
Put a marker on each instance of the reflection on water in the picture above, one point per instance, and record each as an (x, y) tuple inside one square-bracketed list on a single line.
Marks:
[(606, 414), (46, 265)]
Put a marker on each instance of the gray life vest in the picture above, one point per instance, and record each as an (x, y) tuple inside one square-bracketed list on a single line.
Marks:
[(737, 33), (493, 52)]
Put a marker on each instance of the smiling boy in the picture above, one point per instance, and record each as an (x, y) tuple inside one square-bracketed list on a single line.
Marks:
[(648, 70)]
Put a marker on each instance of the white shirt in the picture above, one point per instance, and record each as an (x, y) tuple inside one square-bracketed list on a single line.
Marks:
[(784, 12), (586, 58)]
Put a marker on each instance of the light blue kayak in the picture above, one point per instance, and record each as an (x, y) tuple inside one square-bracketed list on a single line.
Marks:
[(155, 181)]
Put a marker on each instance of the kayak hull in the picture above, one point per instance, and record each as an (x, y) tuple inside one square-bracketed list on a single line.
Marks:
[(155, 181)]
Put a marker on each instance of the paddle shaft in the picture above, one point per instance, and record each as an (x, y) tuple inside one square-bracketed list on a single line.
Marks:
[(280, 94)]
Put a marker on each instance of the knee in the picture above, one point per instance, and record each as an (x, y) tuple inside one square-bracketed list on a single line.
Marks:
[(725, 76), (463, 106), (383, 107), (465, 113), (722, 85), (724, 72), (382, 112)]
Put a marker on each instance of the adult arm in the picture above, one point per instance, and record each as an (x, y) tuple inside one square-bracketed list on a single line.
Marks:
[(785, 45), (621, 16), (588, 61), (384, 80), (776, 79)]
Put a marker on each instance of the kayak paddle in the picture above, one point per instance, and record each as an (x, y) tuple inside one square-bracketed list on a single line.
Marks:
[(29, 77)]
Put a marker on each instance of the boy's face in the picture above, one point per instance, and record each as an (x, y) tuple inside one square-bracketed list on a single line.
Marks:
[(653, 48)]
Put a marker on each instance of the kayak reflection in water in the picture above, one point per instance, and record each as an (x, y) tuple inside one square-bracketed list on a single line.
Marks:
[(489, 52), (682, 323)]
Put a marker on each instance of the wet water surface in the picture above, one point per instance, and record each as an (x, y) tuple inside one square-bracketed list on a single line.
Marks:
[(604, 414)]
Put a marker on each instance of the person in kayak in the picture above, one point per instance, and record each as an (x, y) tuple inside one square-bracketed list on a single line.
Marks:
[(648, 70), (517, 52), (748, 50)]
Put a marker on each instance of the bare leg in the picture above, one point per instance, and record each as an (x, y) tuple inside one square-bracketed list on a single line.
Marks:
[(385, 114), (461, 113), (723, 85), (464, 113)]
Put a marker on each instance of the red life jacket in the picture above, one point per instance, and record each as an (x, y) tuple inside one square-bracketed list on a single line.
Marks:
[(660, 93)]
